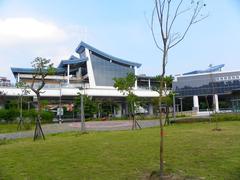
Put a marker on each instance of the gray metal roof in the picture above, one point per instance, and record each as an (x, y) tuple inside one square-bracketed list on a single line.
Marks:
[(84, 45), (32, 70), (72, 60), (209, 70)]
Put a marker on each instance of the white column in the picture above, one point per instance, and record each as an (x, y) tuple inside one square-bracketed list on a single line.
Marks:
[(149, 84), (18, 78), (92, 83), (150, 109), (195, 104), (215, 102), (135, 70), (119, 110), (136, 84), (68, 73)]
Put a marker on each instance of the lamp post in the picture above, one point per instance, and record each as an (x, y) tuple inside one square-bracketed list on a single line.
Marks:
[(83, 127)]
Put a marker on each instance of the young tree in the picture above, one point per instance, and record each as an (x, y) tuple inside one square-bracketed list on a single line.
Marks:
[(42, 68), (88, 107), (125, 85), (24, 91), (165, 14)]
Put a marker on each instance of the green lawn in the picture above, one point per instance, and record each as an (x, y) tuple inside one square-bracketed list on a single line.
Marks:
[(192, 150), (12, 127)]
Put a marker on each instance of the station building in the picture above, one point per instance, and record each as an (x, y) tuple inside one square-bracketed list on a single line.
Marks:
[(91, 72)]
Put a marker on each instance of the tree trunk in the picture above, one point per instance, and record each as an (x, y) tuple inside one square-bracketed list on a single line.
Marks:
[(83, 127), (38, 133), (20, 123), (167, 122), (160, 110)]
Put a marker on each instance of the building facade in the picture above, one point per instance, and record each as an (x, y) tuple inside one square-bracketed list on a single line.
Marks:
[(221, 88), (90, 73)]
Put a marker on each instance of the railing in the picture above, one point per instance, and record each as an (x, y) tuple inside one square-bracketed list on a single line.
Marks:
[(50, 86)]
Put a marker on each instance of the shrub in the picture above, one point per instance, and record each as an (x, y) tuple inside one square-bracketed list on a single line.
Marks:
[(9, 115), (47, 116), (226, 117)]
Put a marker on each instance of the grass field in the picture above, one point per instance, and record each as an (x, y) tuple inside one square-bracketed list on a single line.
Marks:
[(12, 127), (192, 150)]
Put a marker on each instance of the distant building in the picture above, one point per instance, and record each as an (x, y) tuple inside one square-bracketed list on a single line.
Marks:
[(4, 81), (210, 86)]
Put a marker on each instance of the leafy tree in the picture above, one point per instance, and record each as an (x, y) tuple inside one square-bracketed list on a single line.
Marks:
[(165, 14), (42, 68), (126, 85), (88, 107)]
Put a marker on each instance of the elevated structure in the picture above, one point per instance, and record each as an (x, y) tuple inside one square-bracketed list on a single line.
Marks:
[(209, 83)]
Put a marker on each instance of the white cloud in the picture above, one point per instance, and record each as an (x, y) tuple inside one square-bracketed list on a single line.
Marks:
[(17, 30), (23, 39)]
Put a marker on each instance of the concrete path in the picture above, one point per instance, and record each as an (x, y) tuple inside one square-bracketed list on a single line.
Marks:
[(75, 126)]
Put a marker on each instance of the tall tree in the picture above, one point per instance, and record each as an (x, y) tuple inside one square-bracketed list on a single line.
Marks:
[(165, 14), (126, 85), (42, 68)]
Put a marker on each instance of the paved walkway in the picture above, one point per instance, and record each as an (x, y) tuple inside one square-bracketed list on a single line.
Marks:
[(75, 126)]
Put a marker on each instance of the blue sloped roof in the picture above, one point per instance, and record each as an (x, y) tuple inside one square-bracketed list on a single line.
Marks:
[(211, 69), (84, 45), (71, 60), (31, 70)]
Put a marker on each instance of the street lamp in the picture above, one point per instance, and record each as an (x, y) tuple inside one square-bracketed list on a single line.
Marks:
[(83, 127)]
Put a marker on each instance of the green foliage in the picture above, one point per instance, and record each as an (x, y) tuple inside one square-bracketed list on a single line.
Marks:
[(8, 115), (225, 117), (12, 104), (24, 88), (32, 114), (44, 103), (43, 66), (125, 84), (47, 116), (90, 106), (168, 99), (167, 80)]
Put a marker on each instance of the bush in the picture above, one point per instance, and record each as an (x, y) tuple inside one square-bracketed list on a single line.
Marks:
[(226, 117), (32, 114), (9, 115), (47, 116)]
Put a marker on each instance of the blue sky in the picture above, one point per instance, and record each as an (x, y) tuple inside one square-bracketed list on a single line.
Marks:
[(53, 29)]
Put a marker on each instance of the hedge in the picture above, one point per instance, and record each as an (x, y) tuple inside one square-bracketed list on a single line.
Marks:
[(9, 115)]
